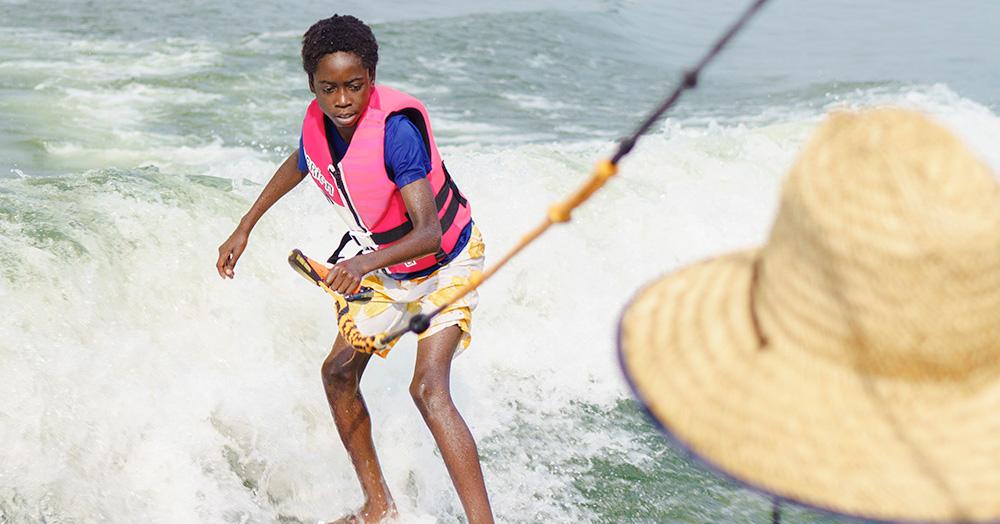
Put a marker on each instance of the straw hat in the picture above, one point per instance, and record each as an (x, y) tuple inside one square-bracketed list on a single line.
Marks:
[(853, 362)]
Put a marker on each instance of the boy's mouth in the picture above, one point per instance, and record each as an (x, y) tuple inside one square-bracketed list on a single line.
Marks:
[(344, 119)]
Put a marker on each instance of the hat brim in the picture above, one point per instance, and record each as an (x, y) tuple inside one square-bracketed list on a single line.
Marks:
[(800, 427)]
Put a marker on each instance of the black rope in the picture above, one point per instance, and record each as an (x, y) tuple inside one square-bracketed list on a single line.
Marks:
[(776, 512), (419, 323), (689, 81)]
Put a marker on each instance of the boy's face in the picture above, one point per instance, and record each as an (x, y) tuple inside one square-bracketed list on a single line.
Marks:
[(342, 86)]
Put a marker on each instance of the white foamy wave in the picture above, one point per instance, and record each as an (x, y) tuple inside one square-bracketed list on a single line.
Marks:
[(534, 102), (446, 64), (125, 107), (170, 154), (453, 129), (266, 41), (422, 90), (108, 59), (148, 59)]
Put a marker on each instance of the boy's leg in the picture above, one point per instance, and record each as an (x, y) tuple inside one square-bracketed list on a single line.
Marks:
[(431, 391), (342, 372)]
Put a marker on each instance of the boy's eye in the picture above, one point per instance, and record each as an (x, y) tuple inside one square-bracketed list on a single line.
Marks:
[(355, 87)]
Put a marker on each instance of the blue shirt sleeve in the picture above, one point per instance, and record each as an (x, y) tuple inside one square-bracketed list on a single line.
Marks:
[(406, 158), (302, 158)]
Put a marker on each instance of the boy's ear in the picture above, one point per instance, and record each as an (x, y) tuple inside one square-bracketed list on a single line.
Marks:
[(311, 89)]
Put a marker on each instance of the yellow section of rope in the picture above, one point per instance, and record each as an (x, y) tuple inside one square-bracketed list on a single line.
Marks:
[(561, 211)]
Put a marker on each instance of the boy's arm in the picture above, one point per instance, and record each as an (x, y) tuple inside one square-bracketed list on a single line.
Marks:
[(284, 179)]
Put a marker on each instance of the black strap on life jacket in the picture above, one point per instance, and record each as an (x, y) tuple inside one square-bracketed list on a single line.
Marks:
[(449, 188), (336, 256)]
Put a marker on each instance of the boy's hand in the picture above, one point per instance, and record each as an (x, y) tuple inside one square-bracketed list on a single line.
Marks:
[(346, 276), (229, 253)]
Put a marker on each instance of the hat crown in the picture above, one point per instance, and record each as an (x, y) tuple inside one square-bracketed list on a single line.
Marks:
[(889, 235)]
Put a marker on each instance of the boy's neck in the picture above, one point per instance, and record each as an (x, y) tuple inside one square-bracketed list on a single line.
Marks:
[(346, 133)]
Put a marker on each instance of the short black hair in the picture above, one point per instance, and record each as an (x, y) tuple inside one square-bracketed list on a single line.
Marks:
[(339, 33)]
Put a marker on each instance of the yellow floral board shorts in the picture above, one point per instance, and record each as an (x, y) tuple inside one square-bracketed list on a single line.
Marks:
[(396, 301)]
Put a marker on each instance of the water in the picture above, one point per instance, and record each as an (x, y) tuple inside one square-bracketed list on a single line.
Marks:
[(138, 386)]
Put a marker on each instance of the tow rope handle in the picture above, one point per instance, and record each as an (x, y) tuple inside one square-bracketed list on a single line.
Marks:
[(316, 273)]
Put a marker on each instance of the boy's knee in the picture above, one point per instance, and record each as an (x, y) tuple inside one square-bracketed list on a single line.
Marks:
[(429, 394), (337, 373)]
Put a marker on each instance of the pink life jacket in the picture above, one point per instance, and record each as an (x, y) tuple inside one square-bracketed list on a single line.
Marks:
[(359, 183)]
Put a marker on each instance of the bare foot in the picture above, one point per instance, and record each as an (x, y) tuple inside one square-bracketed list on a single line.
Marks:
[(369, 515)]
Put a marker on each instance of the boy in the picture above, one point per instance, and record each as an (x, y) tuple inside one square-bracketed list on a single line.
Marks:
[(371, 151)]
